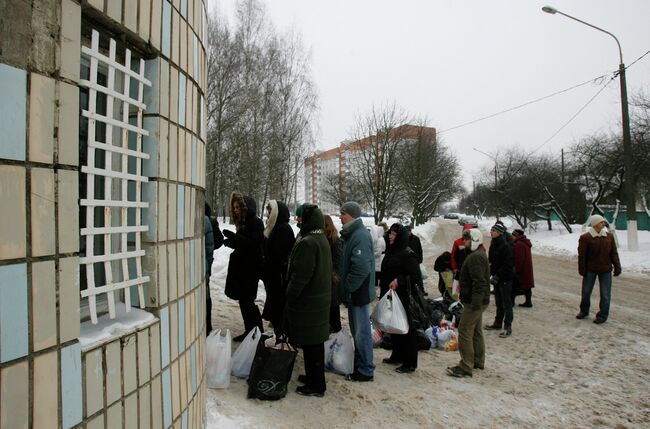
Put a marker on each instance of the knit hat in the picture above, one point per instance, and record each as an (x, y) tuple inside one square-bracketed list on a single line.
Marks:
[(351, 208), (299, 210), (467, 226), (518, 232), (596, 219), (498, 227), (476, 236)]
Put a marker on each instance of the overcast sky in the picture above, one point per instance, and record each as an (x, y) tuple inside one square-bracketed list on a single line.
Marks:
[(455, 61)]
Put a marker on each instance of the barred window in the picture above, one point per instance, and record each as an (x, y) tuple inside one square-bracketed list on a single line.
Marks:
[(111, 101)]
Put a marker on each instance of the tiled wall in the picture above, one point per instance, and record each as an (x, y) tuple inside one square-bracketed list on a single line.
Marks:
[(153, 377)]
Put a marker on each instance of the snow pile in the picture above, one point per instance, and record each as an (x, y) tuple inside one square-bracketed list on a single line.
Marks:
[(106, 328)]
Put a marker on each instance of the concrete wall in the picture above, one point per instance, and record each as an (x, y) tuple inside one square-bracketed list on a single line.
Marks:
[(154, 375)]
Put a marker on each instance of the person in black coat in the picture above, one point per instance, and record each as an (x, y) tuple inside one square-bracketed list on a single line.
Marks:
[(278, 242), (245, 265), (400, 270), (502, 266), (416, 246)]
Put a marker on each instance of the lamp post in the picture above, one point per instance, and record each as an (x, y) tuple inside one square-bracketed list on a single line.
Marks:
[(496, 181), (630, 191)]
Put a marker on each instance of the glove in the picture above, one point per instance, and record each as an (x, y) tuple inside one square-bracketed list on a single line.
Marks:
[(228, 234), (617, 272), (494, 280)]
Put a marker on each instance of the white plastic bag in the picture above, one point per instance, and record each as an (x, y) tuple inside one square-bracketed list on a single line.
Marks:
[(339, 353), (389, 314), (445, 337), (455, 289), (217, 350), (423, 272), (242, 358)]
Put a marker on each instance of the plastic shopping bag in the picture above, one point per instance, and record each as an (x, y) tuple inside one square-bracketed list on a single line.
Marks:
[(271, 371), (455, 290), (217, 349), (339, 353), (389, 314), (447, 340), (242, 359)]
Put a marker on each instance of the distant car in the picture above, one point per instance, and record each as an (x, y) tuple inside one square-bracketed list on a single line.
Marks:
[(451, 216), (468, 221)]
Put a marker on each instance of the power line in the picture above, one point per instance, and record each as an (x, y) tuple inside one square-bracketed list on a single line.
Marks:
[(613, 75)]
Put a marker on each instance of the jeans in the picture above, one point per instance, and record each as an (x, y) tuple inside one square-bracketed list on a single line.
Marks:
[(470, 339), (503, 298), (605, 283), (359, 317)]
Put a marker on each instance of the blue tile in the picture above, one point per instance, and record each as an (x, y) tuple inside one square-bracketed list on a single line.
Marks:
[(200, 305), (164, 336), (151, 96), (184, 419), (13, 112), (180, 212), (150, 214), (192, 266), (194, 166), (184, 8), (14, 319), (167, 398), (71, 392), (181, 99), (193, 361), (166, 28), (181, 325), (150, 145)]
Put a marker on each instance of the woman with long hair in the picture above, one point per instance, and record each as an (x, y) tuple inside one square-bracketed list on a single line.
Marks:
[(336, 246)]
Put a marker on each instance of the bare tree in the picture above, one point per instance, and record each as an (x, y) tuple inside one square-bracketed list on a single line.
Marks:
[(429, 173), (337, 191), (377, 139)]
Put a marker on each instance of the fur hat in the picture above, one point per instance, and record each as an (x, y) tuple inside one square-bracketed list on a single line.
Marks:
[(475, 235), (351, 208), (498, 227), (596, 219)]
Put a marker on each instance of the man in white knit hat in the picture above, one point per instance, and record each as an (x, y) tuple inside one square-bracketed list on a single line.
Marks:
[(597, 257)]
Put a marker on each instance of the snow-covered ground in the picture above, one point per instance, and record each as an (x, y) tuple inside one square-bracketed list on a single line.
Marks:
[(559, 241)]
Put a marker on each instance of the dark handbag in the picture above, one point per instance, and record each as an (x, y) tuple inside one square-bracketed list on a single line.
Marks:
[(271, 371)]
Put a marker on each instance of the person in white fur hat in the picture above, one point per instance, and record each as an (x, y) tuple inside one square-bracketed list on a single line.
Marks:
[(475, 296), (597, 257)]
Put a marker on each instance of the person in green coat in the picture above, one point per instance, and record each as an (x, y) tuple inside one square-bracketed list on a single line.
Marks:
[(475, 296), (308, 299)]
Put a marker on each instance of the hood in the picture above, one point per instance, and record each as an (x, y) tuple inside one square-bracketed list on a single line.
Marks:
[(523, 239), (401, 241), (248, 208), (279, 215), (251, 207), (312, 219)]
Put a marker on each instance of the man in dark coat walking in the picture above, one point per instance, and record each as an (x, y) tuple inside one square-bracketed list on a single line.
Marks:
[(245, 265), (597, 257), (308, 299), (278, 242), (501, 269)]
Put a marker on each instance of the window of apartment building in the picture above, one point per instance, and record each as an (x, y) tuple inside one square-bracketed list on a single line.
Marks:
[(110, 140)]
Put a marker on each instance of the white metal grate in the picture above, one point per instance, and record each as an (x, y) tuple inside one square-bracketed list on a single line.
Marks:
[(113, 176)]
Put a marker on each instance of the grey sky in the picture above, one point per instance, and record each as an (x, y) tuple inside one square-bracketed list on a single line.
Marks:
[(454, 61)]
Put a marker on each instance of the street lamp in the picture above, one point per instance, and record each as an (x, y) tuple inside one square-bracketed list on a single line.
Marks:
[(496, 182), (630, 191)]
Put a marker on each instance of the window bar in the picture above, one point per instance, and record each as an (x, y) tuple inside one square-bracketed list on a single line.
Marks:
[(138, 185), (90, 180), (124, 219), (108, 181)]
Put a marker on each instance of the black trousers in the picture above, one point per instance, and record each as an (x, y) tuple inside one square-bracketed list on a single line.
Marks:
[(335, 318), (314, 356), (251, 314), (405, 348), (503, 298), (208, 307)]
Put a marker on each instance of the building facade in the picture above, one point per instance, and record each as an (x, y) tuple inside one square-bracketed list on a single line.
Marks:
[(340, 161), (102, 279)]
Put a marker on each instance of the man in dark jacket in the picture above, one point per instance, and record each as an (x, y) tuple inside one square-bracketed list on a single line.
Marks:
[(475, 296), (278, 242), (501, 269), (245, 265), (597, 256), (356, 290), (308, 299)]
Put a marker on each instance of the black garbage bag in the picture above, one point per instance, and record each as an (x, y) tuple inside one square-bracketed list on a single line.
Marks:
[(271, 371)]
